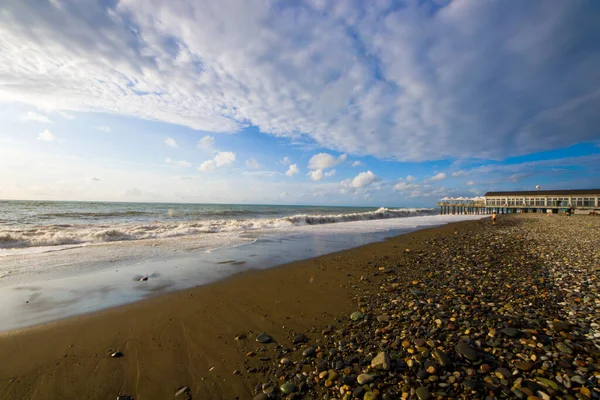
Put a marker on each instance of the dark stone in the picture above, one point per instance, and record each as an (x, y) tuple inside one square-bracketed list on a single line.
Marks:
[(300, 338), (263, 338)]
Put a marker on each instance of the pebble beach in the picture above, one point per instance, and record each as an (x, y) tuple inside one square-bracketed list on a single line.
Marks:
[(505, 311), (466, 310)]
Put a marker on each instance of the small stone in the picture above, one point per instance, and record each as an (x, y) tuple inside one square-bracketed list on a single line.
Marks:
[(300, 338), (364, 379), (323, 374), (511, 332), (263, 338), (370, 396), (288, 388), (503, 373), (441, 358), (383, 318), (563, 348), (124, 398), (357, 316), (523, 365), (117, 354), (310, 352), (466, 351), (423, 393), (382, 361), (285, 361), (578, 379)]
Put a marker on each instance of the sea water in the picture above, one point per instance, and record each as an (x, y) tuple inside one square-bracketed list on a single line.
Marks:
[(59, 259)]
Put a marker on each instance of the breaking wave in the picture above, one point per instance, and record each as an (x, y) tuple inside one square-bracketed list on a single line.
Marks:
[(54, 235)]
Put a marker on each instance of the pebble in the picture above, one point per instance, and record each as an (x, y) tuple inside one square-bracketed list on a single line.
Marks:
[(183, 393), (382, 361), (117, 354), (423, 393), (364, 379), (357, 316), (263, 338), (288, 388)]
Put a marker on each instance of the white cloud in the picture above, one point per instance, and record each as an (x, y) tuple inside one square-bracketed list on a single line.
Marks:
[(444, 72), (207, 166), (316, 175), (107, 129), (207, 143), (410, 178), (439, 177), (252, 163), (180, 163), (330, 173), (222, 159), (31, 116), (171, 142), (363, 179), (357, 163), (66, 115), (470, 183), (285, 161), (404, 186), (324, 161), (284, 195), (93, 179), (46, 136), (460, 173), (292, 170)]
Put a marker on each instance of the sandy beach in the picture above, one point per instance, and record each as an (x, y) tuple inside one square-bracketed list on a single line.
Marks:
[(434, 302)]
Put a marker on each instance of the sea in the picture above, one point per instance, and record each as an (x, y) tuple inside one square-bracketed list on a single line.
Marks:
[(60, 259)]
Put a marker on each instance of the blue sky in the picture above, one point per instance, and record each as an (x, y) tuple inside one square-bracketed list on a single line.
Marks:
[(382, 103)]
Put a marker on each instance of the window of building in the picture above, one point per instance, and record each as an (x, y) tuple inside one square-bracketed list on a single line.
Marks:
[(588, 202), (540, 201), (563, 202), (552, 201)]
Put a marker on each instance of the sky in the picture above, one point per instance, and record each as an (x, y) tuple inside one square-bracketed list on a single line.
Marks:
[(330, 102)]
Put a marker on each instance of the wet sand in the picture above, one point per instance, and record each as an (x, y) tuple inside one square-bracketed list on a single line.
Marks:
[(188, 338)]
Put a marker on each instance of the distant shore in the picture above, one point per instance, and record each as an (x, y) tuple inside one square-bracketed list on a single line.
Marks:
[(204, 338)]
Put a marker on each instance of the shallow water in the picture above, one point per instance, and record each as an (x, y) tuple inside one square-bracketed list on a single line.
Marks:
[(41, 287)]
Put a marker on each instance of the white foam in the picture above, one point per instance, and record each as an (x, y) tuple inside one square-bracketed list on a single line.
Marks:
[(54, 235)]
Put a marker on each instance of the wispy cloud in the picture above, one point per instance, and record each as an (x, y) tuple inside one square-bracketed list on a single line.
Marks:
[(207, 143), (439, 177), (31, 116), (104, 128), (46, 136), (252, 163), (180, 163), (171, 142)]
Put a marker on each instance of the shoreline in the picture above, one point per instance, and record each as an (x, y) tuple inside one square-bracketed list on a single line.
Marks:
[(204, 338), (92, 278)]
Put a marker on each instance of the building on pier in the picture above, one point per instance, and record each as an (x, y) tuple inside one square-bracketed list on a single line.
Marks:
[(582, 201)]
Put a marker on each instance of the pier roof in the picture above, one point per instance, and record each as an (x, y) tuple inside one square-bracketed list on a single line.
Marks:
[(571, 192)]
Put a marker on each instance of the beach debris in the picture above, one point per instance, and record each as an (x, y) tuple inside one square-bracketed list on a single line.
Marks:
[(241, 336), (263, 338), (211, 369), (125, 398), (117, 354)]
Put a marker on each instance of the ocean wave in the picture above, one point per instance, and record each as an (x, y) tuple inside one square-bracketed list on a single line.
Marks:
[(64, 234)]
